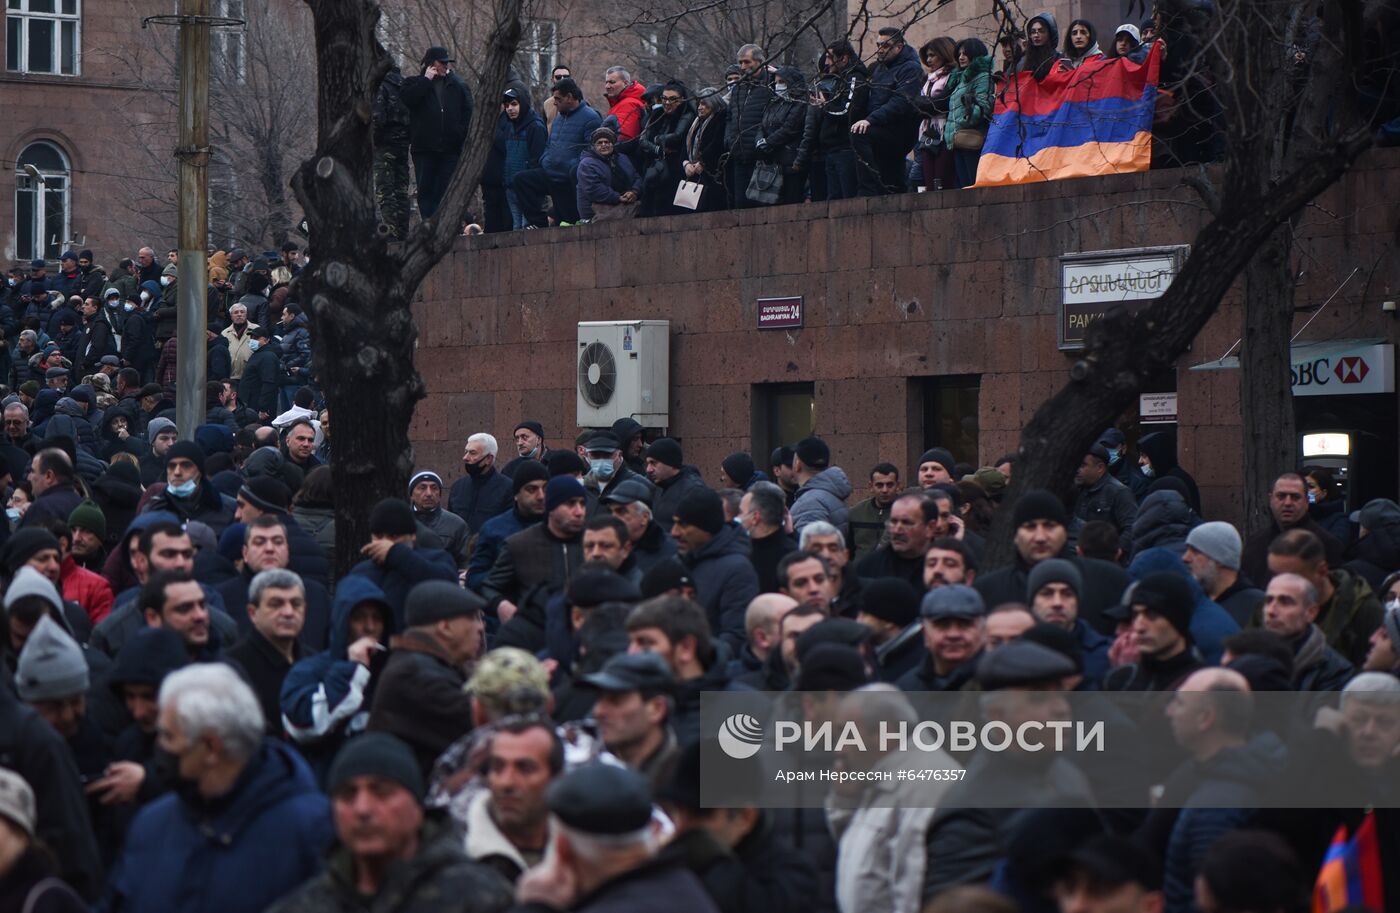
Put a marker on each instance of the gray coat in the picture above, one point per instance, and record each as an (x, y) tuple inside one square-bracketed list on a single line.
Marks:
[(822, 498), (1111, 501), (451, 529)]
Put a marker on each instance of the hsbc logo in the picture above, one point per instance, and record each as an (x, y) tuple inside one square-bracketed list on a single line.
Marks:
[(1351, 369)]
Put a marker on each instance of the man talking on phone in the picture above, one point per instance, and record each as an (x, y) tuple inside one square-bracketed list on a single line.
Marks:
[(914, 521), (440, 116)]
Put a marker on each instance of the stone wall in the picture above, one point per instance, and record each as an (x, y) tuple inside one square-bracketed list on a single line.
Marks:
[(896, 289)]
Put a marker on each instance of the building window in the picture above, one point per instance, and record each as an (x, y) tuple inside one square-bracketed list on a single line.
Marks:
[(782, 414), (539, 50), (227, 46), (41, 36), (950, 417), (41, 202)]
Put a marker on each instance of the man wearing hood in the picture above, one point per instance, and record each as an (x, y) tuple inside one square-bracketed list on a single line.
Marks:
[(625, 102), (822, 489), (135, 774), (883, 138), (440, 117), (517, 146), (717, 555), (1157, 460), (326, 696), (188, 494), (425, 494)]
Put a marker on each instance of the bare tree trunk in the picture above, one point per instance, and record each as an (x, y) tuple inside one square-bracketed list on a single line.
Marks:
[(358, 288), (1266, 390)]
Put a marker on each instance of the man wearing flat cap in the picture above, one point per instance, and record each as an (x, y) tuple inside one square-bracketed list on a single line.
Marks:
[(606, 467), (633, 710), (1102, 497), (420, 697), (389, 849), (954, 622), (630, 502), (604, 850)]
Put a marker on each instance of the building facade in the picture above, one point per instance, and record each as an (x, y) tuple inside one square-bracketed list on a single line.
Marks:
[(925, 319)]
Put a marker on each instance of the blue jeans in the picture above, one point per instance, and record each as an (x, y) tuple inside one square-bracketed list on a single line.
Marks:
[(841, 181)]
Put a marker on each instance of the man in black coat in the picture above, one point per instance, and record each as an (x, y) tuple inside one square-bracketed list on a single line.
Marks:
[(258, 387), (667, 470), (276, 607), (266, 547), (440, 115), (419, 697), (748, 100), (483, 492), (885, 135)]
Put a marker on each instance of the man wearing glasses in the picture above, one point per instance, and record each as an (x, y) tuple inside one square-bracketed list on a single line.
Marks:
[(883, 138)]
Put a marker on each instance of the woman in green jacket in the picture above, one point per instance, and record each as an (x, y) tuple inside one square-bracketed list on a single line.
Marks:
[(969, 105)]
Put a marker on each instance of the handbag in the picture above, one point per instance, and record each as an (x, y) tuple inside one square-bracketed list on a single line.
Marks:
[(688, 195), (766, 185), (969, 140)]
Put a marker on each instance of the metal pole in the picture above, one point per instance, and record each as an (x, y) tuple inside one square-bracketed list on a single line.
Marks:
[(193, 156)]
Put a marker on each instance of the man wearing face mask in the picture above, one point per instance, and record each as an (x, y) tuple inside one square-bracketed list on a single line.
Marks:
[(483, 492), (188, 494), (244, 823), (1119, 466), (166, 307), (529, 446), (258, 387), (138, 348), (606, 468)]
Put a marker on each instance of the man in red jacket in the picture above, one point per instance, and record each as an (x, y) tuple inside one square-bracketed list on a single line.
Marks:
[(624, 102)]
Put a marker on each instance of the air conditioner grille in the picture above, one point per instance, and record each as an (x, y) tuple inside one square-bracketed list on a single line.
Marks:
[(597, 374)]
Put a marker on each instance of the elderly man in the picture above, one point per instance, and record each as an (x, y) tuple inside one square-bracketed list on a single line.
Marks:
[(425, 494), (1290, 611), (277, 608), (419, 697), (529, 446), (625, 102), (483, 492), (389, 850), (630, 502), (240, 340), (1213, 555), (245, 822), (911, 526), (604, 848), (954, 628)]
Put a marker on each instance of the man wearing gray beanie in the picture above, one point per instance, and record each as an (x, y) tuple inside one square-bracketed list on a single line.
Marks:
[(1213, 552), (52, 677), (1052, 591)]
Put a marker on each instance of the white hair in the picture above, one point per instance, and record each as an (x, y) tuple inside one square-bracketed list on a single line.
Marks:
[(642, 508), (752, 50), (594, 849), (210, 699), (1372, 688), (620, 71), (819, 528), (274, 578), (485, 440)]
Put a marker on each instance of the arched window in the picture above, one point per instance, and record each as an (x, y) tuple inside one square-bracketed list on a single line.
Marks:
[(41, 202)]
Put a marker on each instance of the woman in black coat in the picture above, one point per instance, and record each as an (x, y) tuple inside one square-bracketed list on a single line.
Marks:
[(784, 121), (704, 149)]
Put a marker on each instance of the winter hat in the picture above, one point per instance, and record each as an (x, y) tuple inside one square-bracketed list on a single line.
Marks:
[(156, 426), (832, 667), (376, 754), (739, 467), (512, 680), (1111, 437), (527, 472), (1053, 570), (813, 452), (565, 462), (438, 600), (1022, 663), (51, 665), (421, 476), (781, 456), (187, 450), (437, 54), (1377, 514), (890, 599), (530, 425), (17, 801), (392, 517), (602, 133), (667, 451), (940, 455), (1039, 504), (170, 269), (1218, 541), (1167, 594), (626, 428), (30, 388), (992, 482), (1264, 673), (1064, 642), (266, 494), (665, 575), (561, 489), (89, 516), (593, 587), (25, 544), (701, 508)]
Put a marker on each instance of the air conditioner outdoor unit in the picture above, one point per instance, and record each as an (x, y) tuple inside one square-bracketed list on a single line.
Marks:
[(624, 371)]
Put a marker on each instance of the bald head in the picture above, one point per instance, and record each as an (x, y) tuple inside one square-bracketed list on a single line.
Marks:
[(761, 621), (1211, 711), (1290, 605), (1214, 679)]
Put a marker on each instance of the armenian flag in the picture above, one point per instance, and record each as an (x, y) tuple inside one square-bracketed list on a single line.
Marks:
[(1351, 871), (1096, 119)]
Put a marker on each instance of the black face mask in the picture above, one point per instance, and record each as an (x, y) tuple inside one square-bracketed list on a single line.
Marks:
[(475, 470), (168, 769)]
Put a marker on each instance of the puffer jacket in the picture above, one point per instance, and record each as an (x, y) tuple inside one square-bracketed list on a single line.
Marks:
[(628, 108), (725, 583), (784, 119), (258, 843), (894, 89), (419, 697), (326, 697), (847, 97), (822, 498), (969, 98), (1163, 520), (603, 181), (670, 494), (747, 103), (295, 349)]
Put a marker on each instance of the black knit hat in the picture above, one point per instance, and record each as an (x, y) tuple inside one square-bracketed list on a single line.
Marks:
[(739, 467), (25, 544), (890, 599), (665, 575), (703, 509), (527, 472), (266, 494), (530, 425), (813, 452), (565, 462), (392, 517), (666, 450), (940, 455), (188, 450), (1038, 504), (1169, 595), (376, 754)]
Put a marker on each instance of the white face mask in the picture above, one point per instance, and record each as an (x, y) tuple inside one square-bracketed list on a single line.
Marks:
[(145, 296), (253, 345), (166, 280)]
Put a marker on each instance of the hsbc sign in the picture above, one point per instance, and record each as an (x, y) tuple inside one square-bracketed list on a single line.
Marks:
[(1336, 369)]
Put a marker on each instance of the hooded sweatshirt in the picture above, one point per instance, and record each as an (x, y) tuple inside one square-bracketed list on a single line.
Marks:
[(1040, 61), (1072, 56)]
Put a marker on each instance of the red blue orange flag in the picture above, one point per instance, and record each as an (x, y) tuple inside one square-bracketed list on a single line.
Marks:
[(1096, 119), (1351, 871)]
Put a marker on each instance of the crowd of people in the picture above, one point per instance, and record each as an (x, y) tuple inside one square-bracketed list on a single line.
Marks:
[(498, 707)]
